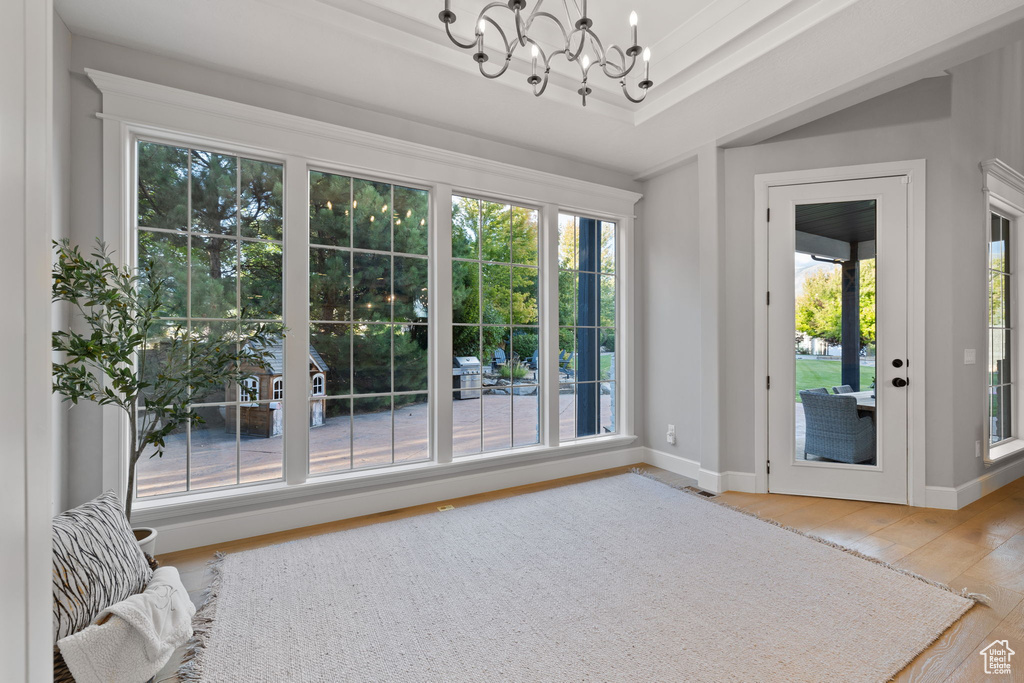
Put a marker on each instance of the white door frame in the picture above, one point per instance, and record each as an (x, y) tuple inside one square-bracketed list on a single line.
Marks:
[(915, 172)]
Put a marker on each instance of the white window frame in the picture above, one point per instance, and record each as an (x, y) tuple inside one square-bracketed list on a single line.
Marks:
[(134, 109), (277, 391), (322, 378), (1004, 195)]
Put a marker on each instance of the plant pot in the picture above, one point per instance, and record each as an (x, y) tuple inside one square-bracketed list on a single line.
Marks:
[(146, 538)]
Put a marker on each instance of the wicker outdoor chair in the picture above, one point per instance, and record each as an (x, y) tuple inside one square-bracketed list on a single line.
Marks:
[(834, 430), (842, 389)]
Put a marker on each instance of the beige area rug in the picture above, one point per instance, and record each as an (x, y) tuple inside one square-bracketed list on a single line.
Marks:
[(619, 579)]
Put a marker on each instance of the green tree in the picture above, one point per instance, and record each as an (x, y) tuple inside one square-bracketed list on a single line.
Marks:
[(819, 306), (489, 296), (129, 358)]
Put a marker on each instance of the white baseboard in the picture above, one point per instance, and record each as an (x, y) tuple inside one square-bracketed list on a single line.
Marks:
[(941, 497), (720, 482), (744, 482), (671, 462), (214, 528), (716, 482), (949, 498)]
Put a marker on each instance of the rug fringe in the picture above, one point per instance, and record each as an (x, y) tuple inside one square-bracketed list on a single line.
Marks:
[(964, 593), (191, 668)]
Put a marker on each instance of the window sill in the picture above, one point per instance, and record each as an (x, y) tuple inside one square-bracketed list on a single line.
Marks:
[(1004, 450), (168, 508)]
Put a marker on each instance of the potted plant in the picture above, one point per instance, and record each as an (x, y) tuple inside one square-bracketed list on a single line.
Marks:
[(128, 357)]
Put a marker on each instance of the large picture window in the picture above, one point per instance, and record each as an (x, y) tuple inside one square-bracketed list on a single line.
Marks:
[(212, 223), (496, 333), (586, 327), (341, 267), (368, 281)]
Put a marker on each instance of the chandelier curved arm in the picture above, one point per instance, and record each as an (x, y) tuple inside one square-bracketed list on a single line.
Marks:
[(644, 86), (504, 38), (448, 30), (552, 17), (624, 70)]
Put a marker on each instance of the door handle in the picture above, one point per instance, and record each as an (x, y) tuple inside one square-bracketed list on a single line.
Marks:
[(900, 382), (898, 363)]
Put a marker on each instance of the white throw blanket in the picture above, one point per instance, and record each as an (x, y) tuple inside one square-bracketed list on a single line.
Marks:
[(131, 641)]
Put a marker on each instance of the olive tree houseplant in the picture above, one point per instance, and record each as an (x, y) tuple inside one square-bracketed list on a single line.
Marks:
[(128, 357)]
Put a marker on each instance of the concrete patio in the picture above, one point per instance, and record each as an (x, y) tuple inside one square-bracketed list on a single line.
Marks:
[(338, 445)]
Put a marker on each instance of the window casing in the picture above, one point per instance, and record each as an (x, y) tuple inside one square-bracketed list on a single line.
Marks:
[(1004, 192), (610, 201)]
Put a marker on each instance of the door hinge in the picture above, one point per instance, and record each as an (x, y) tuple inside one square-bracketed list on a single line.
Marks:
[(768, 216), (768, 382), (768, 465), (768, 299)]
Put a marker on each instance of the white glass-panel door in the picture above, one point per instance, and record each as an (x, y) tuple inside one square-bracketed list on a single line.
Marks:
[(837, 356)]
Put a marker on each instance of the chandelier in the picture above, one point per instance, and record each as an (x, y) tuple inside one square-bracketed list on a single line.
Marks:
[(613, 61)]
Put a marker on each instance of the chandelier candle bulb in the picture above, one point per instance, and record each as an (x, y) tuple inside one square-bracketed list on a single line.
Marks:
[(632, 25), (647, 64), (534, 51)]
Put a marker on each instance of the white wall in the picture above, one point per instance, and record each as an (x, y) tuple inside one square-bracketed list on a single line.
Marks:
[(61, 228), (27, 485), (668, 253)]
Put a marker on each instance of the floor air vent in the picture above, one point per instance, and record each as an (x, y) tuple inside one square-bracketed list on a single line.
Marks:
[(701, 492)]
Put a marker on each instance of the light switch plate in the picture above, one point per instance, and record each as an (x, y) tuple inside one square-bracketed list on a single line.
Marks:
[(970, 357)]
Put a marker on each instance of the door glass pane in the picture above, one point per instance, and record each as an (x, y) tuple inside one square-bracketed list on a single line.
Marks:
[(834, 364)]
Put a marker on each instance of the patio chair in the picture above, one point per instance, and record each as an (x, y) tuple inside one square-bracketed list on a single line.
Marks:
[(842, 389), (534, 360), (563, 364), (498, 359), (822, 390), (834, 430)]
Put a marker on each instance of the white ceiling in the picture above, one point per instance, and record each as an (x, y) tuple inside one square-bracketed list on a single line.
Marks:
[(721, 67)]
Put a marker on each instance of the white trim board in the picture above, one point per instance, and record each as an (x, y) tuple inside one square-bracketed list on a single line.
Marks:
[(916, 289), (143, 104), (671, 462), (208, 529), (720, 482), (950, 498), (716, 482)]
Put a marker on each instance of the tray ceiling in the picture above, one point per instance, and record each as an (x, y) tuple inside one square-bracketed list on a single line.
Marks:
[(721, 67)]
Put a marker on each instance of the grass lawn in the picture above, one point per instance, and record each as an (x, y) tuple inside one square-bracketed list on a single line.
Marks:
[(814, 374)]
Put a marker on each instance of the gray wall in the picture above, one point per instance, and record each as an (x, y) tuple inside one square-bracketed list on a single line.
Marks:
[(668, 269), (987, 122), (84, 423), (910, 123), (953, 122), (59, 229)]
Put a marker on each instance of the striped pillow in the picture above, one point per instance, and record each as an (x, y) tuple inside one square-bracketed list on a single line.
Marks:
[(96, 562)]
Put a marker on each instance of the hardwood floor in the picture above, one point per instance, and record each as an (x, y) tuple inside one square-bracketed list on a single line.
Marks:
[(980, 547)]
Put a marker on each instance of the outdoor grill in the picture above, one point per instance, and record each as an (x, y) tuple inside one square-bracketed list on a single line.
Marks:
[(466, 377)]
